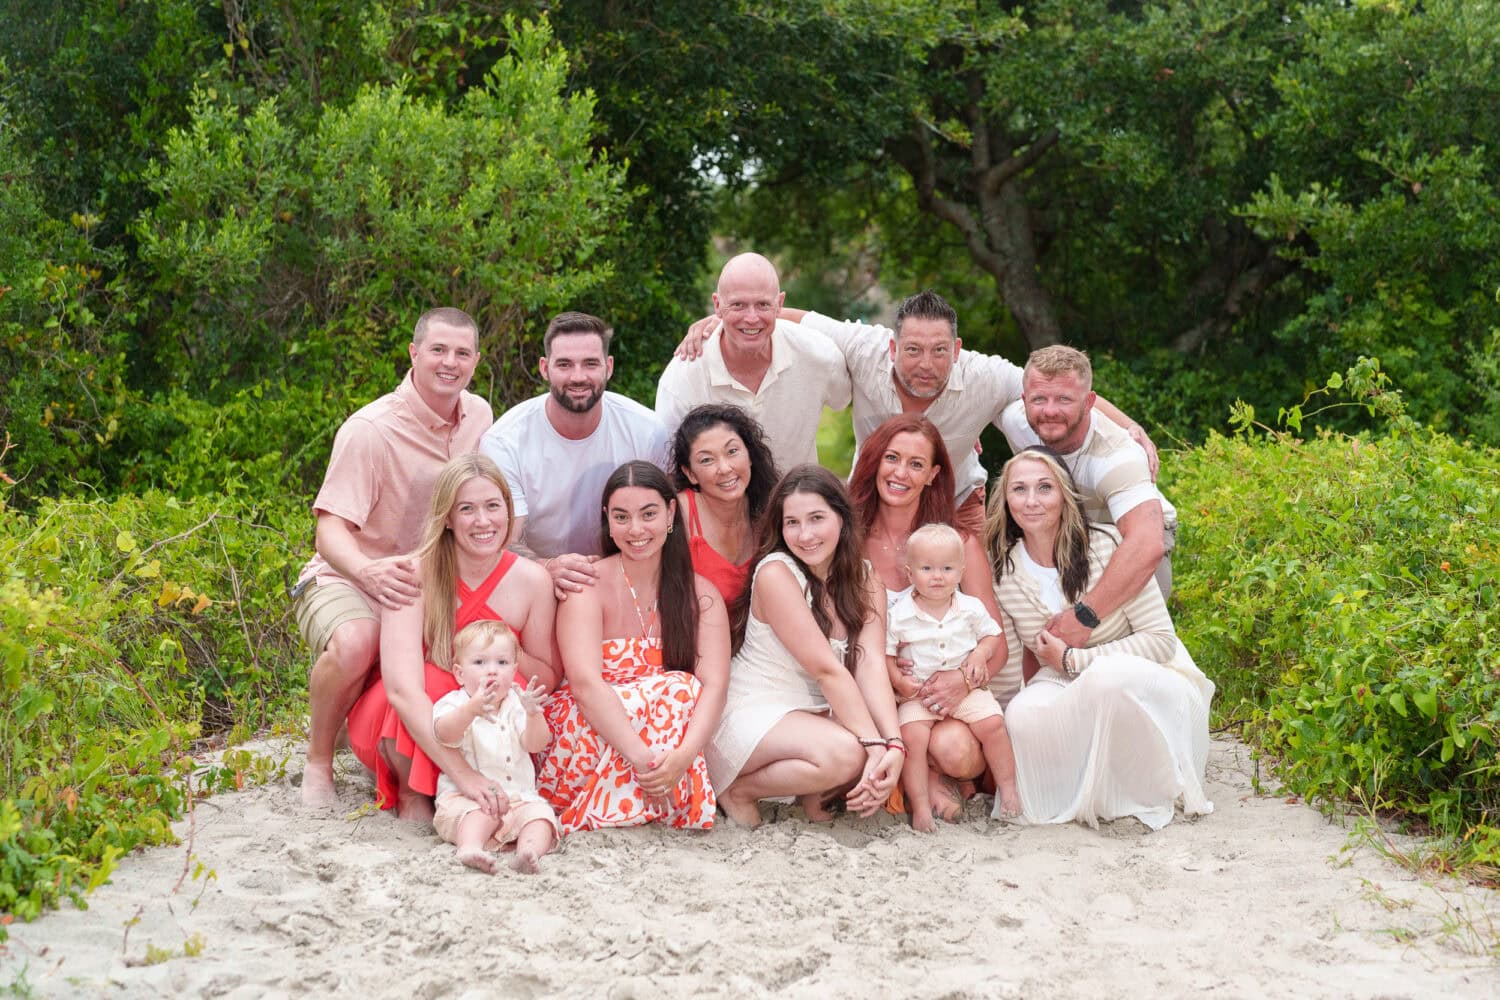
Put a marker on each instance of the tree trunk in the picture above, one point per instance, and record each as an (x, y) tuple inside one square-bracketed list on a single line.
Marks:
[(988, 177)]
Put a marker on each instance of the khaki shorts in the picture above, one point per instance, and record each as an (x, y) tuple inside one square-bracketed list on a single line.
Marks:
[(977, 706), (452, 808), (323, 608), (969, 517)]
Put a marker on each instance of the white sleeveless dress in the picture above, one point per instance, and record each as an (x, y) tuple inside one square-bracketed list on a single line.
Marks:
[(766, 683)]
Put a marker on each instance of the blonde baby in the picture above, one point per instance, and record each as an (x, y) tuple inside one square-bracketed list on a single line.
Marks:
[(497, 725), (943, 629)]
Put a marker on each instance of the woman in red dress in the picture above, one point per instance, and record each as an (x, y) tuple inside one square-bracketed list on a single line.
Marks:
[(724, 477), (466, 575), (646, 656)]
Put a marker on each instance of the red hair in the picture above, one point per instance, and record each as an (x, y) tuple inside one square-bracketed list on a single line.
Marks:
[(936, 501)]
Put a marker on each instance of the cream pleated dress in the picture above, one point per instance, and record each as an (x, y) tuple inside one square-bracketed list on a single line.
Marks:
[(1129, 735)]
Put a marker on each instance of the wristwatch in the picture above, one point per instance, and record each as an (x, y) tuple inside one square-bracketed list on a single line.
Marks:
[(1086, 616)]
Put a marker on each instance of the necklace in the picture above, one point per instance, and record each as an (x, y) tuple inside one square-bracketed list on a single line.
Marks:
[(897, 551), (653, 643)]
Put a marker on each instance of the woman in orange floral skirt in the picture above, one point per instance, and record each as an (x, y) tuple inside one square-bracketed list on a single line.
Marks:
[(645, 654)]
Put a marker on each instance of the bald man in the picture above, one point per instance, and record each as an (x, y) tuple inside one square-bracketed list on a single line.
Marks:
[(781, 374)]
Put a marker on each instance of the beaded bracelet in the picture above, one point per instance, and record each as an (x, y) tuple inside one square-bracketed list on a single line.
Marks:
[(871, 743)]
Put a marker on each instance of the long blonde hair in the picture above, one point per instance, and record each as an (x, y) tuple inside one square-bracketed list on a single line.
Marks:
[(440, 561), (1070, 549)]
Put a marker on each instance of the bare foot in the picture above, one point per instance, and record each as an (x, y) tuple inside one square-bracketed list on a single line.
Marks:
[(740, 812), (414, 807), (317, 785), (922, 821), (478, 860), (815, 809), (525, 862), (1010, 804), (947, 805)]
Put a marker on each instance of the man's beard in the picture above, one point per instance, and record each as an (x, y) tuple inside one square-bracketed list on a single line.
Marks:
[(577, 406), (912, 391)]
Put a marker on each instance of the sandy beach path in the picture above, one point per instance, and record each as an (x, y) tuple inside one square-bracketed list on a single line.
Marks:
[(1257, 899)]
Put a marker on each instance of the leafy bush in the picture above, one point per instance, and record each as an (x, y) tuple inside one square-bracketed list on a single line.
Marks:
[(130, 628), (62, 361), (1342, 591), (273, 236)]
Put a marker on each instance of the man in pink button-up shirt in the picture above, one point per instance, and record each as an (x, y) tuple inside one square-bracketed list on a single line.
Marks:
[(370, 515)]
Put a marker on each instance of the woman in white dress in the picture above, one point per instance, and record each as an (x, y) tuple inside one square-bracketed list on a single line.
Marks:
[(810, 711), (1116, 728)]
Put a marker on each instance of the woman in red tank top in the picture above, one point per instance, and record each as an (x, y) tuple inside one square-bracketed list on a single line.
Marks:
[(724, 476), (467, 575)]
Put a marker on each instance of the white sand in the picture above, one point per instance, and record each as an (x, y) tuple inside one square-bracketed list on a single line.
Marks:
[(1256, 899)]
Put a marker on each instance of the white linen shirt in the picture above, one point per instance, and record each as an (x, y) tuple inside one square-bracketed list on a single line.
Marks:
[(979, 389), (492, 746), (807, 373), (933, 644)]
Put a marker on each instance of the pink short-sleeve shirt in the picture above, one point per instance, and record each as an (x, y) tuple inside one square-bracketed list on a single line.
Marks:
[(385, 460)]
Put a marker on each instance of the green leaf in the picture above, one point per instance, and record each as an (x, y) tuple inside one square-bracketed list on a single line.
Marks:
[(1426, 702), (1398, 702)]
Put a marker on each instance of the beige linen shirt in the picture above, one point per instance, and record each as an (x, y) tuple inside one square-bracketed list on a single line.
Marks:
[(807, 373), (978, 391), (385, 460)]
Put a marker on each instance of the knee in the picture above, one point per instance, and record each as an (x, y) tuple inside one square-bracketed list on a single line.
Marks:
[(847, 758), (955, 751), (354, 647), (989, 728)]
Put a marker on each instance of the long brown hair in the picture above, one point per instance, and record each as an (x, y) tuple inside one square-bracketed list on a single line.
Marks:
[(848, 583), (440, 561), (936, 502), (676, 593), (763, 473), (1070, 550)]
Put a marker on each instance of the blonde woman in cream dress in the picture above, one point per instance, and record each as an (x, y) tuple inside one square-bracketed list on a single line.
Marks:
[(1115, 728)]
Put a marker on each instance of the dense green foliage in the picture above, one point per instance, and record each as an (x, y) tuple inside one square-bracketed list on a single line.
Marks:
[(1343, 593), (131, 628), (270, 285)]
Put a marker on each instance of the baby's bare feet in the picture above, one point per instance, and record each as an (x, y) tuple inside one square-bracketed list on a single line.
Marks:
[(478, 860), (1010, 804), (525, 862), (317, 785)]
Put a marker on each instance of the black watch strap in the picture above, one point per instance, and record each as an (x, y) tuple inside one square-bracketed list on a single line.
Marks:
[(1086, 616)]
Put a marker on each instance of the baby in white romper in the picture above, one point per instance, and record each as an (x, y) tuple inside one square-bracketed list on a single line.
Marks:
[(498, 726)]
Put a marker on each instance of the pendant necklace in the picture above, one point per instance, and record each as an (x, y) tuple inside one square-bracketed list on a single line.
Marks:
[(653, 643)]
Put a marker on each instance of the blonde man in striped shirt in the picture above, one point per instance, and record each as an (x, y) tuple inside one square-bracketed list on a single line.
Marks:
[(1111, 473)]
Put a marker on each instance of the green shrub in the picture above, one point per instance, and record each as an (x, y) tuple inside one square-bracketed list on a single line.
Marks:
[(1342, 592), (275, 235), (130, 628)]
